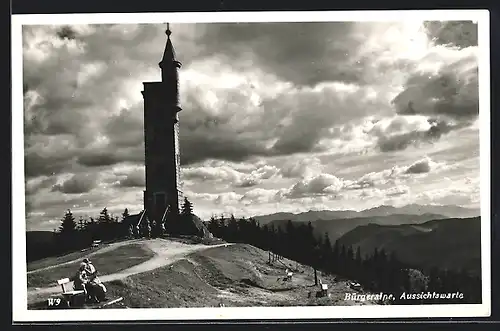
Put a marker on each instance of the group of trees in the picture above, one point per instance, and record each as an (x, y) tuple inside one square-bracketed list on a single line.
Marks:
[(377, 271), (174, 226), (74, 234)]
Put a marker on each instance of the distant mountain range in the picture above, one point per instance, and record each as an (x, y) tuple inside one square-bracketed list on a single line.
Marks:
[(452, 243), (412, 209), (424, 236)]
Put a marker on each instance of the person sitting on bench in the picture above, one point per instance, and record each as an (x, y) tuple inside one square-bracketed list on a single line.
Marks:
[(90, 269), (94, 285), (80, 280)]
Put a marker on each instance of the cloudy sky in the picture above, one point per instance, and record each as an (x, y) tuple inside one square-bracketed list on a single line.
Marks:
[(276, 116)]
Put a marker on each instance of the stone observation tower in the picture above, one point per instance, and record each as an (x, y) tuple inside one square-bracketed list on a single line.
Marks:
[(161, 141)]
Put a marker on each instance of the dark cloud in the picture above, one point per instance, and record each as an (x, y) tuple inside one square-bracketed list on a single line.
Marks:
[(32, 187), (419, 167), (446, 94), (401, 141), (301, 53), (312, 113), (110, 155), (66, 121), (457, 33), (127, 128), (37, 164), (66, 32), (98, 159), (197, 148), (134, 179), (248, 182), (71, 88), (449, 97), (206, 136), (124, 134), (78, 183), (452, 91), (389, 142), (60, 99)]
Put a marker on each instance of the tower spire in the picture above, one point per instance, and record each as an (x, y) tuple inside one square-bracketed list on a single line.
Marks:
[(169, 53)]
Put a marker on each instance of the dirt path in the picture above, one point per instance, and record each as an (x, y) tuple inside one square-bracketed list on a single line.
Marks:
[(166, 252)]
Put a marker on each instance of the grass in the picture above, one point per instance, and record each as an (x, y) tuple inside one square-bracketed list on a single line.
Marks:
[(238, 275), (108, 262), (196, 240), (50, 261)]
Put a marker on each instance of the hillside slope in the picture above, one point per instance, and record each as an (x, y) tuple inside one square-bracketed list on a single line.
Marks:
[(37, 242), (336, 228), (452, 243), (115, 257), (238, 275), (122, 257), (39, 237)]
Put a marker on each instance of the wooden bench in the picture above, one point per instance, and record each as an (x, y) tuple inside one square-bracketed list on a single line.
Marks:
[(74, 297)]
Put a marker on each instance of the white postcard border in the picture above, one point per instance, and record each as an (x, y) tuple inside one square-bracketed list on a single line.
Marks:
[(19, 288)]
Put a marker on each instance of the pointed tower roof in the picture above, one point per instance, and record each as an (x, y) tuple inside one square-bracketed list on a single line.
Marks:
[(169, 53)]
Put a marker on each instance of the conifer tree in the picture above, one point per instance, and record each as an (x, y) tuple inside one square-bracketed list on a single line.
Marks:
[(212, 224), (335, 263), (232, 228), (326, 253), (68, 224), (67, 232), (125, 214), (104, 216), (358, 263), (187, 207)]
